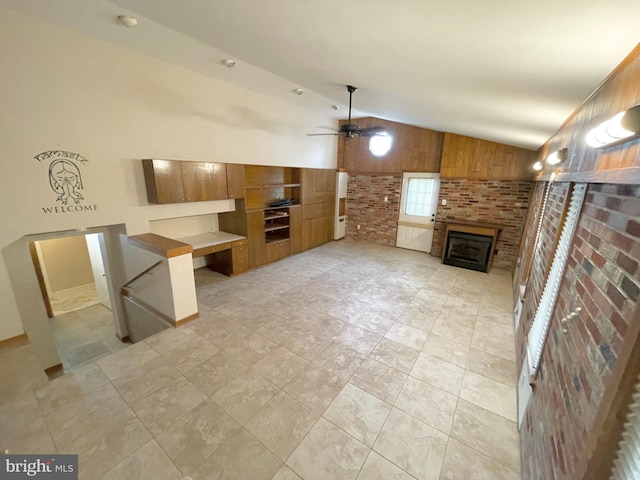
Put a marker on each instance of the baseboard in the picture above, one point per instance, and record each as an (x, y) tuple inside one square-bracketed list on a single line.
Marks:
[(54, 372), (14, 342), (188, 319)]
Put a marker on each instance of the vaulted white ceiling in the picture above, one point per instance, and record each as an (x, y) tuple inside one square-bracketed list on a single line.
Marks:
[(506, 71)]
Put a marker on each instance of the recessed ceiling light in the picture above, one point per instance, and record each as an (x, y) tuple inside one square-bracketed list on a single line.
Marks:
[(228, 62), (298, 91), (335, 107), (128, 21)]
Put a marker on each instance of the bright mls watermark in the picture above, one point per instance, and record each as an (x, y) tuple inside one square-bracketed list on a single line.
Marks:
[(50, 467)]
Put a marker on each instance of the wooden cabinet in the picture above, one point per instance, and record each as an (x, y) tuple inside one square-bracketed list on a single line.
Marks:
[(240, 259), (277, 250), (275, 232), (235, 180), (295, 231), (266, 184), (163, 179), (318, 206), (173, 181), (278, 231), (255, 234), (318, 185), (316, 231), (204, 181)]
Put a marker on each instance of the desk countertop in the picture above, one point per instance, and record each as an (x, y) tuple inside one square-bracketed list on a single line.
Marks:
[(208, 239)]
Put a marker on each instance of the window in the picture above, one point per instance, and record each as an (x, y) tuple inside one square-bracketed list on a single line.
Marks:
[(540, 327), (419, 196)]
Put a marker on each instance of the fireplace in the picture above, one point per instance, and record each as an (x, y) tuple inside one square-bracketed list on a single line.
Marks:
[(470, 245), (468, 250)]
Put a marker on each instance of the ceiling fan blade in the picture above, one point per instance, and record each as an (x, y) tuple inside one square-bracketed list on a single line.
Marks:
[(371, 131)]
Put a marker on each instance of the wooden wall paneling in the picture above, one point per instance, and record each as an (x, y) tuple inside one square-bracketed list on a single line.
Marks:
[(414, 149), (618, 93), (467, 157)]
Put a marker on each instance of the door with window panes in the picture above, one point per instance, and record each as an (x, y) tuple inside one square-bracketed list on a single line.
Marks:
[(418, 204)]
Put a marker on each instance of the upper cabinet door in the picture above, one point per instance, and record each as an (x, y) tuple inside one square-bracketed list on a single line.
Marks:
[(164, 181), (204, 181), (235, 180)]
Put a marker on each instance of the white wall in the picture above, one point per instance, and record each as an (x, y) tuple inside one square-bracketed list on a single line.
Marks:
[(60, 90)]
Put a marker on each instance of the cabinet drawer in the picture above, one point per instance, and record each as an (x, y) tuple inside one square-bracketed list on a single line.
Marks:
[(240, 259), (199, 252), (237, 243)]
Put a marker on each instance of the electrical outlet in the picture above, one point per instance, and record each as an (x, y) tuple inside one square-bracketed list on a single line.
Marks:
[(358, 227), (443, 202), (386, 199)]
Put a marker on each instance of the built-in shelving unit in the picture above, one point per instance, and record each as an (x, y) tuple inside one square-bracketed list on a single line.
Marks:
[(276, 224), (266, 184)]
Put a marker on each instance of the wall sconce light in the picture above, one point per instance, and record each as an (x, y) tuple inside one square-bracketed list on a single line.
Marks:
[(537, 166), (623, 127), (380, 143), (128, 21), (558, 157)]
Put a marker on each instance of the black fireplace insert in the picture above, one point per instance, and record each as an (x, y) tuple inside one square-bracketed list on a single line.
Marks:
[(468, 250)]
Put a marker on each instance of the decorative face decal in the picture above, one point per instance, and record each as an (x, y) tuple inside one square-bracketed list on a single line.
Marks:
[(66, 181)]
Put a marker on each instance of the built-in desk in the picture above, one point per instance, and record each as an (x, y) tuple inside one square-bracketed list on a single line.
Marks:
[(228, 253)]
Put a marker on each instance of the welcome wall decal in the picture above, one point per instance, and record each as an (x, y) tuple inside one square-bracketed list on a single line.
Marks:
[(65, 180)]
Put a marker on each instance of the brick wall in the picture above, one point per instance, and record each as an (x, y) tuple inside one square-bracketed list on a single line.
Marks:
[(542, 257), (366, 207), (489, 201), (603, 279)]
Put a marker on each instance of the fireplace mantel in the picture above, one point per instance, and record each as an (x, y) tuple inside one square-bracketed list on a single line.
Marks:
[(474, 228)]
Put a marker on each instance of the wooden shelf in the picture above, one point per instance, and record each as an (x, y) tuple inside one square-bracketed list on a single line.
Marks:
[(273, 228), (273, 216), (281, 206)]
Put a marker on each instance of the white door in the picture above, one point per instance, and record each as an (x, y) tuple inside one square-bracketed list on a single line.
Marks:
[(418, 204), (97, 265)]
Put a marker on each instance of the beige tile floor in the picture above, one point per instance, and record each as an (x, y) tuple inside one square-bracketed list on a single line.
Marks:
[(348, 361), (85, 334), (64, 301)]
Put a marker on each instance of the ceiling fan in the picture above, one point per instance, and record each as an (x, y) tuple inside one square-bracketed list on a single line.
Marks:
[(350, 130)]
